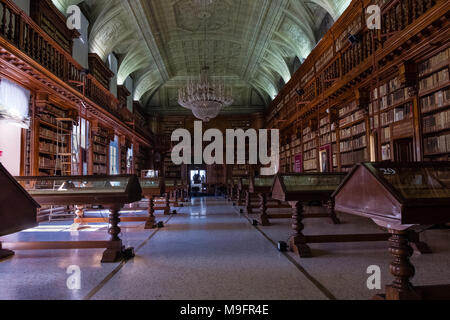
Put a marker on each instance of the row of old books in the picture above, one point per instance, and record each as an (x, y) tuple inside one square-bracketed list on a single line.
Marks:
[(436, 122), (435, 101), (434, 80), (357, 143), (437, 144), (353, 157), (434, 62)]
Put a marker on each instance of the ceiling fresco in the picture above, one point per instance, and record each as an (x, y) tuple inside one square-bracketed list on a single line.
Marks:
[(250, 44)]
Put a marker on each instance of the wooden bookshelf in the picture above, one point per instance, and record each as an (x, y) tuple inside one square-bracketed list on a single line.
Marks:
[(101, 138), (53, 139), (434, 102)]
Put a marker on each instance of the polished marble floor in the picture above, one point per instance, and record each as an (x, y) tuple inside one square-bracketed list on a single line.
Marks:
[(210, 251)]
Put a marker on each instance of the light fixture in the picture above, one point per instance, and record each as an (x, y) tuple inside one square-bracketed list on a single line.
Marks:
[(203, 96)]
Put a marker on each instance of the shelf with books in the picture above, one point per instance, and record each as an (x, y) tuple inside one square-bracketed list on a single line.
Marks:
[(100, 148), (434, 101), (53, 138)]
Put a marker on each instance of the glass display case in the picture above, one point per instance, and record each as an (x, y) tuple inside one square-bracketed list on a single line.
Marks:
[(398, 196), (150, 174), (244, 183), (261, 184), (152, 186), (112, 192), (170, 184), (73, 190), (306, 186), (18, 210)]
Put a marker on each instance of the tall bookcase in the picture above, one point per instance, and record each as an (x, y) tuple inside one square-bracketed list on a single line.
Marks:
[(53, 139), (100, 149), (353, 145), (434, 102), (310, 154)]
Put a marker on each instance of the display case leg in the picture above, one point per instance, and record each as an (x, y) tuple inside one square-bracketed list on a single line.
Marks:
[(167, 209), (79, 212), (401, 268), (116, 251), (150, 223), (298, 242), (418, 246), (4, 253), (264, 218), (248, 203), (333, 215)]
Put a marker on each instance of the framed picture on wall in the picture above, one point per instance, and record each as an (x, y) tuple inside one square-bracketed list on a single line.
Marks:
[(325, 158)]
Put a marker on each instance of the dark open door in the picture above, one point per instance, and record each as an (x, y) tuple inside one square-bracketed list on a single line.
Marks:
[(404, 150)]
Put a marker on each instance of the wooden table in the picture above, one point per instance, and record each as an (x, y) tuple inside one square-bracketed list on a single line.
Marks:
[(398, 197), (18, 210), (112, 192), (301, 188)]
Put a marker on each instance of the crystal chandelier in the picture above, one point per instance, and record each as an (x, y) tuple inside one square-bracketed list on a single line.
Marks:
[(203, 96)]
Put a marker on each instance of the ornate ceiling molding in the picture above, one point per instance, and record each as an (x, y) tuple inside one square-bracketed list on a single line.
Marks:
[(251, 43)]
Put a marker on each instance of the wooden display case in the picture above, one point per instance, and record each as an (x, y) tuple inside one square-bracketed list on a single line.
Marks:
[(398, 197), (18, 210), (112, 192), (261, 187), (300, 189)]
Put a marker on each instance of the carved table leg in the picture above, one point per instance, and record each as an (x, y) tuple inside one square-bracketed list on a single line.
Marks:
[(150, 224), (248, 203), (167, 208), (263, 208), (298, 242), (401, 268), (116, 251), (333, 215), (233, 196), (418, 246), (4, 253), (239, 198), (176, 198), (79, 212)]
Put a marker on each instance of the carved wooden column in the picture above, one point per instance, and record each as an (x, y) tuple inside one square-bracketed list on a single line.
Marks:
[(298, 241), (401, 268), (150, 224), (264, 218)]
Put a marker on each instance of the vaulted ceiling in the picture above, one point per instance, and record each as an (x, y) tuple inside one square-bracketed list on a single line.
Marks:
[(253, 45)]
